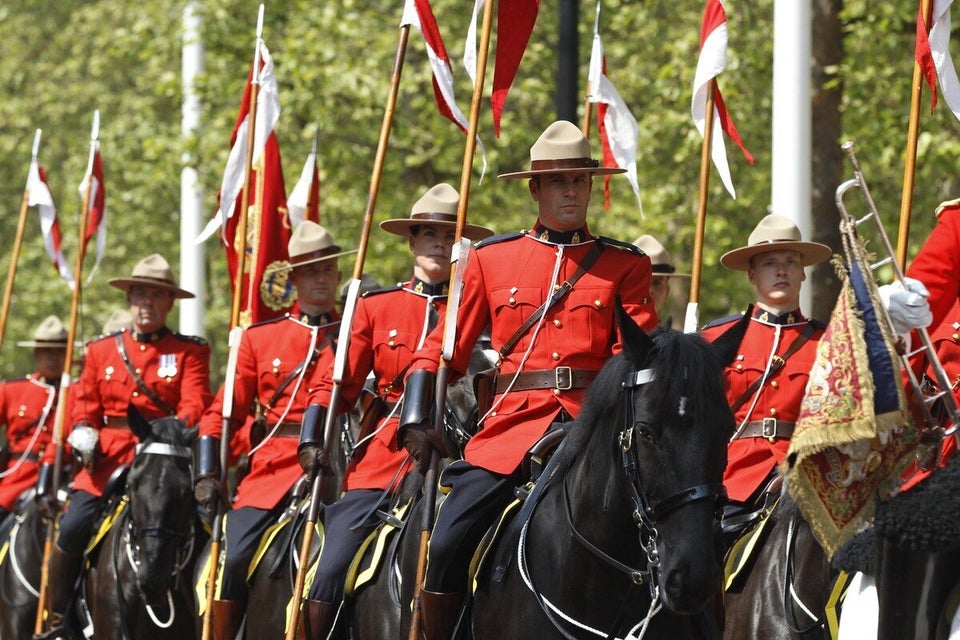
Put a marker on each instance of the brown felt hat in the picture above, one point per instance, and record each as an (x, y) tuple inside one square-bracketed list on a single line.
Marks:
[(152, 271), (437, 207), (50, 334), (775, 233), (659, 258), (309, 243), (561, 148)]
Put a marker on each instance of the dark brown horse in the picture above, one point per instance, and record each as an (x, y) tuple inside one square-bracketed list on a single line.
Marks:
[(20, 569)]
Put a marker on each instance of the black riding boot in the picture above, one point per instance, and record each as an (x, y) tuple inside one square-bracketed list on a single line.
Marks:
[(64, 570), (439, 613), (316, 620), (227, 616)]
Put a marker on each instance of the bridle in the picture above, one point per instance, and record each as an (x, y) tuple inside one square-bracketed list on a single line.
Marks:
[(133, 536), (644, 514)]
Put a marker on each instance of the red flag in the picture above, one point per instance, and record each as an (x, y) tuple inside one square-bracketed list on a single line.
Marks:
[(515, 20), (713, 60), (933, 56), (266, 291), (96, 207), (41, 198)]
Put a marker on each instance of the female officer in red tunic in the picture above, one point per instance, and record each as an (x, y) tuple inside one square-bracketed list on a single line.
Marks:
[(27, 409), (276, 363), (161, 372), (544, 373), (766, 380), (388, 327)]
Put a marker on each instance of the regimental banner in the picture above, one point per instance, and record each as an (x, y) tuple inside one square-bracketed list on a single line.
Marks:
[(854, 435)]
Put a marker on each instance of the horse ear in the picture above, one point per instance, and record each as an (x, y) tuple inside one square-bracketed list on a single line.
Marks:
[(728, 343), (190, 435), (138, 424), (635, 341)]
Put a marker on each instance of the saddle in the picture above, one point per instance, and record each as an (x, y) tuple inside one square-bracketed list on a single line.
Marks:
[(743, 529)]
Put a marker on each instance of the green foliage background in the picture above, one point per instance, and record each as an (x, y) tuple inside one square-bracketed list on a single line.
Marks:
[(333, 63)]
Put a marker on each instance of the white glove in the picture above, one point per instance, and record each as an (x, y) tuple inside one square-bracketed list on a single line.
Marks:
[(906, 303)]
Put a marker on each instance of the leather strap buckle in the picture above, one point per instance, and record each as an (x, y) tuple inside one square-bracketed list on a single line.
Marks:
[(564, 378), (769, 429)]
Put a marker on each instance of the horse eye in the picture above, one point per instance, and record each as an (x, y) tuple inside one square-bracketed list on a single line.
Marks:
[(644, 431)]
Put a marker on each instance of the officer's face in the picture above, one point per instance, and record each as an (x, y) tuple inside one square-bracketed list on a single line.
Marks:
[(149, 307), (49, 361), (659, 290), (431, 253), (776, 275), (563, 198), (316, 285)]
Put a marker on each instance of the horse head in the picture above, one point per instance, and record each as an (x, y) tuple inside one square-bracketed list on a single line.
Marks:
[(675, 424), (162, 510)]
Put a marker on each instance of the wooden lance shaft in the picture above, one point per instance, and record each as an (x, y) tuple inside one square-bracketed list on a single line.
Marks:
[(691, 320)]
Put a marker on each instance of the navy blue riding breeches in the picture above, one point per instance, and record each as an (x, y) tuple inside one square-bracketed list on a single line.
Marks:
[(76, 525), (476, 499), (245, 526), (346, 524)]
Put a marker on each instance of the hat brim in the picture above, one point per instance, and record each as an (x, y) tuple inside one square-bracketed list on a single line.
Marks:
[(284, 265), (42, 344), (124, 284), (596, 171), (811, 253), (672, 275), (401, 227)]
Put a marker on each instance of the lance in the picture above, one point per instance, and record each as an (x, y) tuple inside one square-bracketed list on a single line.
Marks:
[(17, 243), (343, 340), (240, 237), (691, 320), (461, 252), (913, 127), (59, 416), (587, 103), (310, 202), (216, 536)]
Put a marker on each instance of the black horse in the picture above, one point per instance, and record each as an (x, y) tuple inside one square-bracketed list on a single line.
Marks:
[(621, 537), (787, 585), (22, 555), (139, 584)]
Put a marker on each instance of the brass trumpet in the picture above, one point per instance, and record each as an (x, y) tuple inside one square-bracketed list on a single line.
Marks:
[(933, 433)]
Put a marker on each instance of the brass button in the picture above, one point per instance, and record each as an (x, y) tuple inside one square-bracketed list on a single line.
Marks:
[(557, 323), (556, 287), (139, 370), (391, 343), (512, 301), (136, 394), (956, 337), (598, 303), (773, 411), (43, 428), (739, 367), (143, 347), (493, 413), (556, 392), (555, 355), (774, 384)]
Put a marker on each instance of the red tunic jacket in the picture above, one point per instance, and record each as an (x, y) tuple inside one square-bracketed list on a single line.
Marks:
[(506, 280), (267, 355), (28, 407), (388, 327), (175, 367), (750, 460)]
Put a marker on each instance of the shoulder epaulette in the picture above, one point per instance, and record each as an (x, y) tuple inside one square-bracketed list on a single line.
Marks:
[(620, 244), (948, 204), (733, 317), (376, 292), (102, 337), (270, 321), (819, 324), (193, 339), (500, 238)]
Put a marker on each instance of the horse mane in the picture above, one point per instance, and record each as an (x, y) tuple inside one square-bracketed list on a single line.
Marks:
[(684, 365), (170, 430)]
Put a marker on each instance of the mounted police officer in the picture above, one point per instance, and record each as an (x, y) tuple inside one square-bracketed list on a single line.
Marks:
[(276, 362), (27, 409), (388, 328), (663, 270), (549, 352), (766, 381), (161, 372)]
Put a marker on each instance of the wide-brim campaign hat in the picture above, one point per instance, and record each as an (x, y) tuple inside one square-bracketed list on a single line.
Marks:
[(775, 233), (562, 148), (50, 334), (660, 260), (437, 207), (310, 242), (152, 271)]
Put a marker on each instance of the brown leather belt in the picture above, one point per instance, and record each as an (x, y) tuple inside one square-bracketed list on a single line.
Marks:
[(287, 430), (769, 428), (30, 457), (115, 422), (561, 378)]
